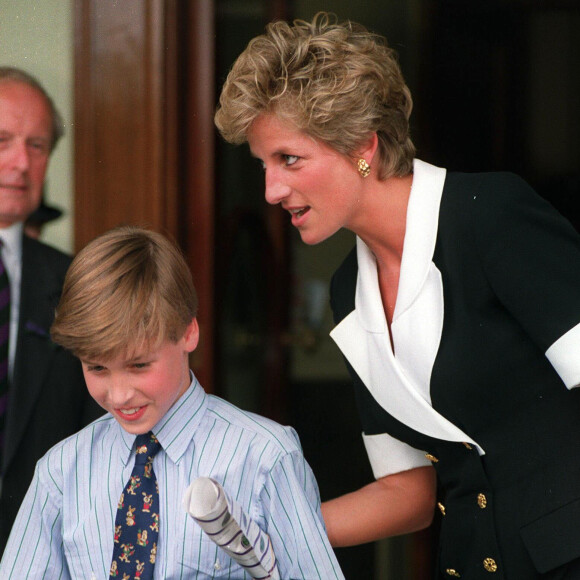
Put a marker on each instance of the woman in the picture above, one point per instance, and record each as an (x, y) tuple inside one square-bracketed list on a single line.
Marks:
[(458, 312)]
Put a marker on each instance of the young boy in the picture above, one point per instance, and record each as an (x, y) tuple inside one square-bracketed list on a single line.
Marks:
[(128, 311)]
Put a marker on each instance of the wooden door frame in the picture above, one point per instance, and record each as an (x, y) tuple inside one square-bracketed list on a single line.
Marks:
[(198, 200), (129, 145)]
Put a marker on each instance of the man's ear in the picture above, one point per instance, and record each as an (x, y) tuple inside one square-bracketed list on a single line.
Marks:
[(191, 335)]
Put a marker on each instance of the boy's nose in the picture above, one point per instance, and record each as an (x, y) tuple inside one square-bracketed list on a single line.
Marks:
[(120, 394)]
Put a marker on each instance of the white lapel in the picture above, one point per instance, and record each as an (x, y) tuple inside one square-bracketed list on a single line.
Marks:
[(400, 384)]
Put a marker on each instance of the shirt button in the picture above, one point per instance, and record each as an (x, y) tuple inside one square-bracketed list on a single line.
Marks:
[(481, 501), (431, 458), (452, 572), (490, 565)]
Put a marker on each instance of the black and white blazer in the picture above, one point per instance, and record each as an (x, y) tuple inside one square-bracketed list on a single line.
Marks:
[(486, 335)]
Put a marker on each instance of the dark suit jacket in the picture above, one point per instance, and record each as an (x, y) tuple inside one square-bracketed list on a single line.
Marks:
[(509, 267), (48, 399)]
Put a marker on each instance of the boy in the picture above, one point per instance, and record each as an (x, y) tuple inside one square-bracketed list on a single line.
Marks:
[(128, 312)]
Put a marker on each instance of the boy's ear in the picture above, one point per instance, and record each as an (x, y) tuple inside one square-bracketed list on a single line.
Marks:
[(191, 336)]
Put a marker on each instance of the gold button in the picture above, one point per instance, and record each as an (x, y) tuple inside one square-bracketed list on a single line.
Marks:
[(490, 565), (481, 501), (467, 445), (452, 572), (431, 457), (441, 507)]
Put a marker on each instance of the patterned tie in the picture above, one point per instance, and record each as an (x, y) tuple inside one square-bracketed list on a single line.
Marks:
[(4, 332), (137, 521)]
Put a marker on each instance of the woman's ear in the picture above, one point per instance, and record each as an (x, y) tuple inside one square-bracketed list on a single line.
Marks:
[(368, 148)]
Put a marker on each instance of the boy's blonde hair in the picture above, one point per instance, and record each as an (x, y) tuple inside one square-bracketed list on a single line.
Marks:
[(128, 289), (338, 82)]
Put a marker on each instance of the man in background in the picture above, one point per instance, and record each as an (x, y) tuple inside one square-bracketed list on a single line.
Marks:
[(42, 394)]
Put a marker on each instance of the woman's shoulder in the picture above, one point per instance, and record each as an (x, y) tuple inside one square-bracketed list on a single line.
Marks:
[(502, 186), (479, 201), (491, 213)]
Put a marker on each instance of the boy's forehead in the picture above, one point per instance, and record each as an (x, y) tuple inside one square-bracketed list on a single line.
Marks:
[(125, 349), (130, 353)]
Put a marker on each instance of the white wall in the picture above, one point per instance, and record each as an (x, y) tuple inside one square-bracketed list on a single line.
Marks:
[(37, 35)]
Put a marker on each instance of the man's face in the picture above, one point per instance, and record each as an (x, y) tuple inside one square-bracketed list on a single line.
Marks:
[(25, 141)]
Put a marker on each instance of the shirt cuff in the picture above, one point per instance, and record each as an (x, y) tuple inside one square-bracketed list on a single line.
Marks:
[(564, 355), (388, 455)]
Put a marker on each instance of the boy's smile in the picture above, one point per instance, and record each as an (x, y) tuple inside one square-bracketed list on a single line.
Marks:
[(131, 414), (138, 391)]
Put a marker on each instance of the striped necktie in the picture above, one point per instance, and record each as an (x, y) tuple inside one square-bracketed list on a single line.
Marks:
[(4, 332), (137, 521)]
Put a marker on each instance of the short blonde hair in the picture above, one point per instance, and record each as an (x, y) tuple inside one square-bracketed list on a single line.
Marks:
[(338, 82), (129, 288)]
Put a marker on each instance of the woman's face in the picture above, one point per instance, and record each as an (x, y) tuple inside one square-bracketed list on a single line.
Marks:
[(317, 185)]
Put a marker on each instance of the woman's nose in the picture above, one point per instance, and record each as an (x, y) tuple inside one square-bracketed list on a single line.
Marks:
[(276, 188)]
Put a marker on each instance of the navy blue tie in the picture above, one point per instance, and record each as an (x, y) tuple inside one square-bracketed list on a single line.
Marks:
[(137, 521), (4, 333)]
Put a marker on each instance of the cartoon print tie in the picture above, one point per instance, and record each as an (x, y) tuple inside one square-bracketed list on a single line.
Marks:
[(4, 332), (137, 521)]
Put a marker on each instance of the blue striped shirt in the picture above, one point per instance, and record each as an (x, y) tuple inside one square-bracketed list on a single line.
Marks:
[(65, 526)]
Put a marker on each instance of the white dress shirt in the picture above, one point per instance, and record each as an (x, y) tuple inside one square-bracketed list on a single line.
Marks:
[(12, 258), (65, 526)]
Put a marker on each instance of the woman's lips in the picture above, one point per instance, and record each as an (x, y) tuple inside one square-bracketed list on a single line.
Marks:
[(298, 215)]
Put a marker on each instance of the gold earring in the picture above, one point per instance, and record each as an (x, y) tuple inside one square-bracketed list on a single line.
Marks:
[(363, 167)]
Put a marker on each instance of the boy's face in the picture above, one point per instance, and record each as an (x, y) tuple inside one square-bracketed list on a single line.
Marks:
[(140, 390)]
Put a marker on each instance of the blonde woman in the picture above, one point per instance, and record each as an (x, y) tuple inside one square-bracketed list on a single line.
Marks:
[(458, 311)]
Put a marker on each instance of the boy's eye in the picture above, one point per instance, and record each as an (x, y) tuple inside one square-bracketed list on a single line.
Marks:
[(95, 368), (140, 365)]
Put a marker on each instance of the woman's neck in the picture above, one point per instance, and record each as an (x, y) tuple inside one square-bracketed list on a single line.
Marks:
[(384, 219)]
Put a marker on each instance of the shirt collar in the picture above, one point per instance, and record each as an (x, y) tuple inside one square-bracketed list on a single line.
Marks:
[(175, 430), (12, 242), (418, 249)]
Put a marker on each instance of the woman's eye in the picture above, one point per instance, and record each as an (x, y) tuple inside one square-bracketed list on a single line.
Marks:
[(290, 159)]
